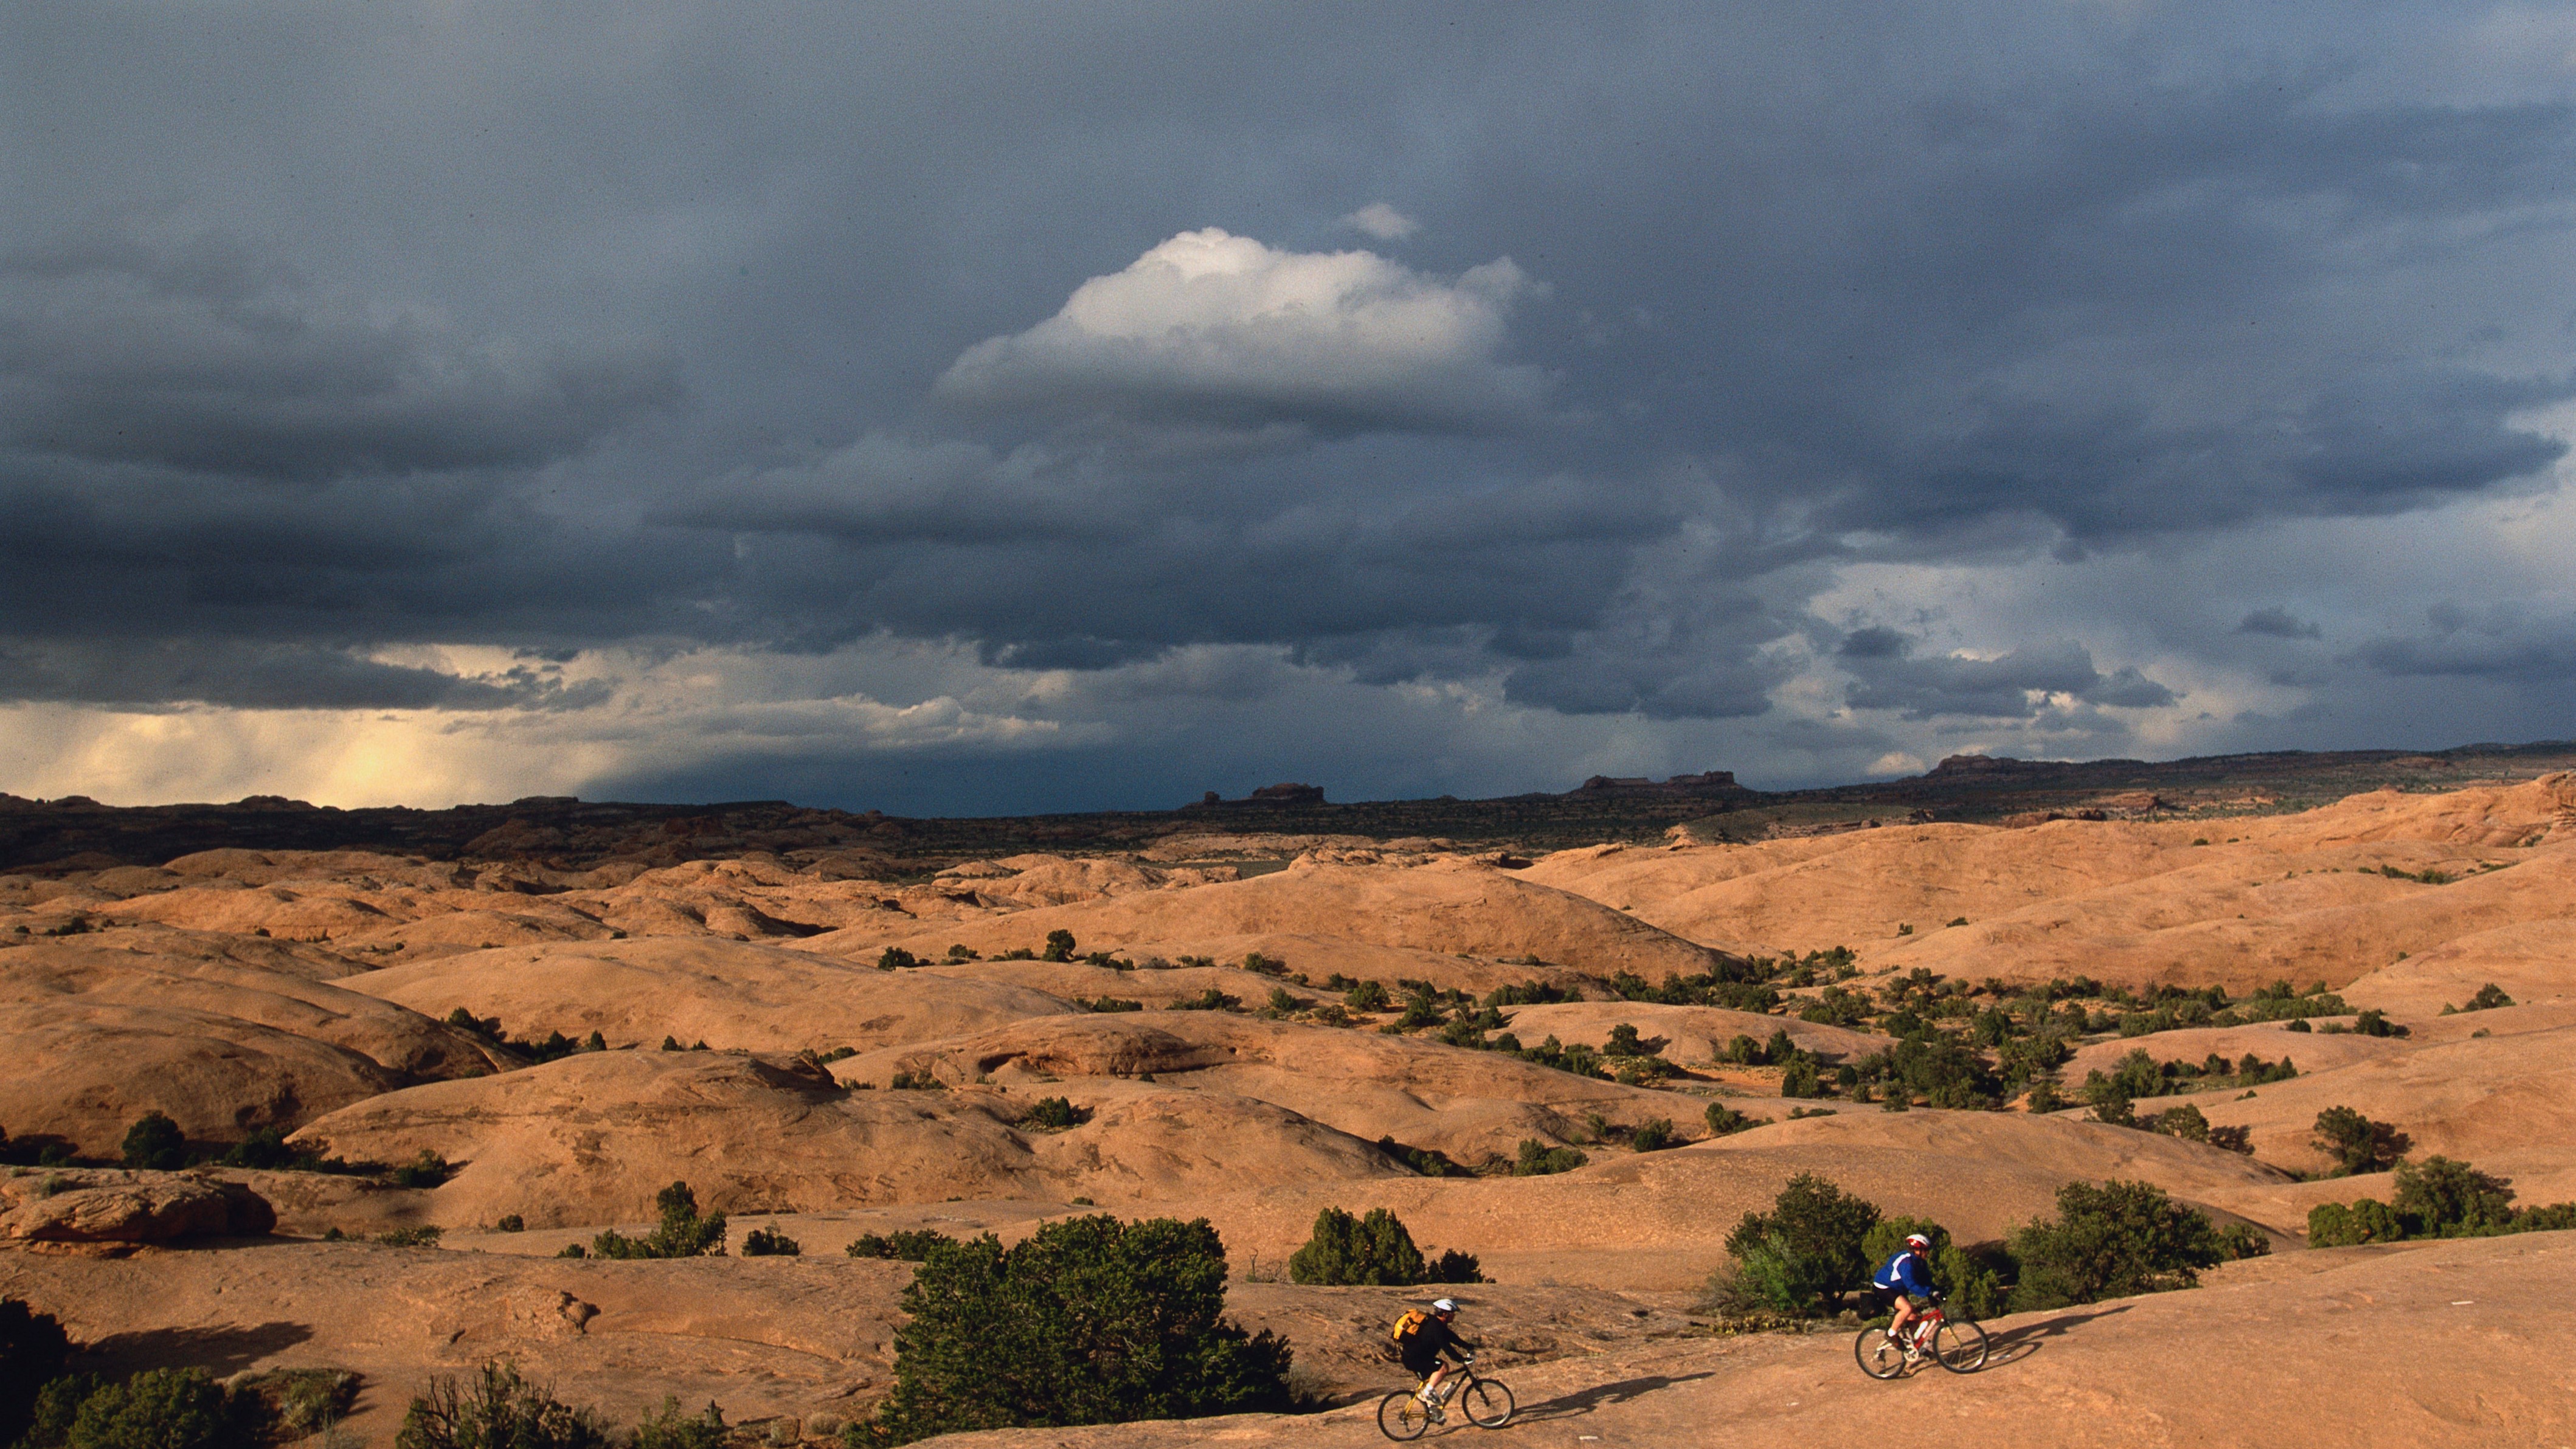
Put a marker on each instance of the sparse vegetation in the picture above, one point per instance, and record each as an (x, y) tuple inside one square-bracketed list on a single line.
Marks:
[(497, 1409), (668, 1428), (912, 1245), (1344, 1250), (1799, 1258), (423, 1235), (1537, 1159), (2488, 998), (1099, 1321), (155, 1142), (770, 1242), (1653, 1136), (1059, 946), (1725, 1121), (682, 1232), (1051, 1114), (155, 1409), (2356, 1143), (2109, 1241)]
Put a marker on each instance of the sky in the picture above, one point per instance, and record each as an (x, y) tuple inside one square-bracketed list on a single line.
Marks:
[(966, 409)]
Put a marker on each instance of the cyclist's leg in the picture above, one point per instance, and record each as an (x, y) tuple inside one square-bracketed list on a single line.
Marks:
[(1904, 1306)]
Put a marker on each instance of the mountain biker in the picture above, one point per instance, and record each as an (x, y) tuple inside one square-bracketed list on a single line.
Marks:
[(1421, 1338), (1899, 1281)]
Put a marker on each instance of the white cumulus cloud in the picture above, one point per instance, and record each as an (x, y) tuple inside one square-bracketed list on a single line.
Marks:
[(1382, 221), (1212, 332)]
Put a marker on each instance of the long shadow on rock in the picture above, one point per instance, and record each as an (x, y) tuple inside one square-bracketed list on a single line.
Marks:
[(222, 1350), (2014, 1345), (1584, 1401)]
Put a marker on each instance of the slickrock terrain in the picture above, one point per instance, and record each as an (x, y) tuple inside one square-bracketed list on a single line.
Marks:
[(1252, 1026)]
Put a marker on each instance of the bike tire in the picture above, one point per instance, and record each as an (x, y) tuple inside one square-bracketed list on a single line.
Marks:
[(1959, 1347), (1400, 1416), (1488, 1404), (1879, 1356)]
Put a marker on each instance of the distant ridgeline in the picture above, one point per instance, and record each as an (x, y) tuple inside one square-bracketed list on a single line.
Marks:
[(58, 837)]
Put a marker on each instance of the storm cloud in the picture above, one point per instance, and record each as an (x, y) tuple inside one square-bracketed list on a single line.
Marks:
[(1440, 399)]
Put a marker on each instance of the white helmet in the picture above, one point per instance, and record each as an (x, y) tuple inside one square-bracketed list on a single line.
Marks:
[(1917, 1240), (1444, 1305)]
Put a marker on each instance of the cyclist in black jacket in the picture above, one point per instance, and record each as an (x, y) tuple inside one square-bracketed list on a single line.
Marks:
[(1421, 1349)]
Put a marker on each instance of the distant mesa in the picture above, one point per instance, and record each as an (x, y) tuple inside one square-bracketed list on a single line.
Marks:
[(1708, 782), (1280, 794)]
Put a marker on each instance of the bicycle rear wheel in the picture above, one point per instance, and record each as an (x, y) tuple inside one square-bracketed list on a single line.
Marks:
[(1959, 1347), (1881, 1357), (1401, 1416), (1488, 1404)]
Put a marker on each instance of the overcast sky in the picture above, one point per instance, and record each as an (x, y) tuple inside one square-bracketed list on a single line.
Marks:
[(963, 409)]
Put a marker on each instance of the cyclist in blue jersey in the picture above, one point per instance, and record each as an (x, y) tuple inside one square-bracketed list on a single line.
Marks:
[(1899, 1281)]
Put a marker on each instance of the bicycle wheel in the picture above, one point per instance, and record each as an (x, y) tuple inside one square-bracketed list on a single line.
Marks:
[(1881, 1357), (1488, 1404), (1959, 1346), (1401, 1416)]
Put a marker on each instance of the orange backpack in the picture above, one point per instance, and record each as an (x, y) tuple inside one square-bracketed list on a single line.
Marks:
[(1409, 1325)]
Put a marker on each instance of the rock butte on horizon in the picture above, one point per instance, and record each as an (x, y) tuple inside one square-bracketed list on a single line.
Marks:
[(312, 991)]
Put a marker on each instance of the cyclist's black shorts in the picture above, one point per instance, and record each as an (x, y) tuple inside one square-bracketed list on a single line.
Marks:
[(1888, 1298), (1420, 1364)]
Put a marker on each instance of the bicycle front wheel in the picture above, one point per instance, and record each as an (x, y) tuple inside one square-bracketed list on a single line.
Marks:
[(1401, 1416), (1959, 1347), (1881, 1356), (1488, 1404)]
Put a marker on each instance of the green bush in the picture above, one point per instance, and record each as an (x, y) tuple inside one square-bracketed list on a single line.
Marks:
[(426, 1235), (912, 1245), (264, 1149), (1653, 1136), (1800, 1079), (427, 1170), (1806, 1252), (155, 1409), (304, 1401), (1344, 1250), (497, 1409), (1453, 1266), (510, 1223), (32, 1350), (769, 1242), (920, 1081), (1537, 1159), (682, 1233), (1059, 946), (1112, 1003), (1051, 1114), (2338, 1225), (1089, 1321), (2110, 1241), (1208, 1000), (2441, 1198), (1725, 1121), (895, 958), (2356, 1143), (155, 1142), (2489, 997), (2244, 1240), (670, 1429)]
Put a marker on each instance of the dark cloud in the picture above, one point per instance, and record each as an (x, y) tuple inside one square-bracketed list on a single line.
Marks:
[(2016, 685), (2278, 623), (510, 328), (255, 676), (2500, 643)]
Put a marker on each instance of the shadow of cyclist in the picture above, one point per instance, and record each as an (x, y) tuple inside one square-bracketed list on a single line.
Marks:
[(2015, 1344), (1584, 1401)]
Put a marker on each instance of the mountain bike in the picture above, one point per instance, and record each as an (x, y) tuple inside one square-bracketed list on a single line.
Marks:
[(1956, 1344), (1487, 1403)]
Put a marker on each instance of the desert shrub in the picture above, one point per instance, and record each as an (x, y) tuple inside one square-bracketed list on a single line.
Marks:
[(1208, 1000), (1113, 1003), (155, 1409), (1059, 946), (1343, 1250), (1800, 1079), (2376, 1023), (1453, 1266), (1537, 1159), (682, 1233), (1427, 1161), (427, 1170), (1653, 1136), (426, 1235), (895, 958), (963, 953), (1260, 965), (1804, 1253), (510, 1223), (1366, 996), (1971, 1285), (304, 1401), (1725, 1121), (769, 1242), (921, 1081), (2442, 1198), (1097, 1321), (2356, 1143), (1051, 1114), (2244, 1240), (2557, 1217), (912, 1245), (497, 1409), (2185, 1122), (1527, 993), (668, 1428), (155, 1142), (265, 1149), (2338, 1225), (2110, 1241), (32, 1349), (2488, 998)]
